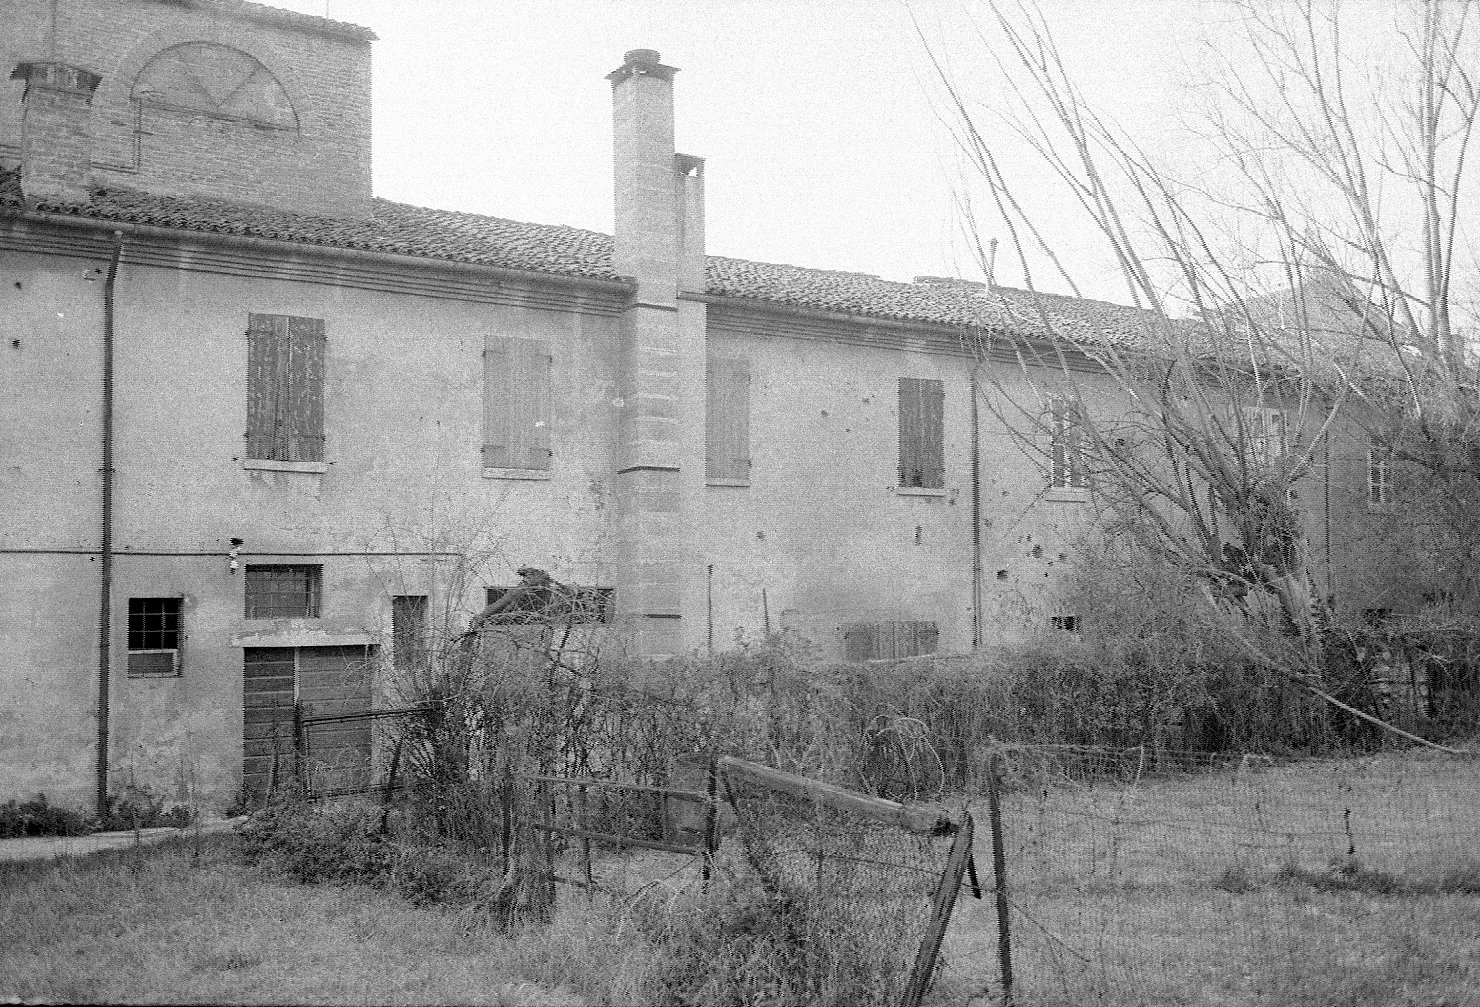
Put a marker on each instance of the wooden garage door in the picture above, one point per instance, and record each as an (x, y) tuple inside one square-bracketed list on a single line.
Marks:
[(333, 682), (267, 715), (325, 682)]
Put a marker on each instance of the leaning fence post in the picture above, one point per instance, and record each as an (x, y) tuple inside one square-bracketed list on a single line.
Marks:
[(999, 875), (946, 893)]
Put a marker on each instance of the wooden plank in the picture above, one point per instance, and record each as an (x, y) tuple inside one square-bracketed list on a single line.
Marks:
[(646, 844), (583, 781), (918, 820)]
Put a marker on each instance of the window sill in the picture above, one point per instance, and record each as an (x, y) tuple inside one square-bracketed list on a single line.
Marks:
[(919, 491), (1068, 494), (727, 482), (537, 474), (268, 465)]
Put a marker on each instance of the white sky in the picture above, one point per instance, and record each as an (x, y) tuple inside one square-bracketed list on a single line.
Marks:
[(815, 118)]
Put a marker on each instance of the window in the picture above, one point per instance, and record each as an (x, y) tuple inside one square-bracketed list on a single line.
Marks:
[(589, 606), (285, 388), (883, 641), (408, 630), (283, 592), (727, 422), (922, 462), (1264, 432), (1067, 623), (1379, 476), (516, 404), (1069, 470), (153, 637)]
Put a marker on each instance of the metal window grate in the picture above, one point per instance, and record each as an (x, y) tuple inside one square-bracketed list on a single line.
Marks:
[(153, 623), (283, 592)]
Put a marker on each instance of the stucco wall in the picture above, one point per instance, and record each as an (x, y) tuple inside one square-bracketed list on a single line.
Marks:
[(404, 476)]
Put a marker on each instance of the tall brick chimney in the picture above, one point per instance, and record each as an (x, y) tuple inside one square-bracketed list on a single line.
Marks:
[(56, 132), (659, 242)]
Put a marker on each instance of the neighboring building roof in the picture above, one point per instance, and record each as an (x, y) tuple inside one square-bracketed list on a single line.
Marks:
[(569, 251)]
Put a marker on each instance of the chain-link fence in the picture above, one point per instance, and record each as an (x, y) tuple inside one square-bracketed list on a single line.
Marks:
[(1135, 877)]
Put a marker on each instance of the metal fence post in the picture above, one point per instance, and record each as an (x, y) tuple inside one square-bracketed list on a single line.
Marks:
[(999, 875)]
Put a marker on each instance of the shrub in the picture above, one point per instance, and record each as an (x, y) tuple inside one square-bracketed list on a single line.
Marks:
[(139, 809), (36, 817)]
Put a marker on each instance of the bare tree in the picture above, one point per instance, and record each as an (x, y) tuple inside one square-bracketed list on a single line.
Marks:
[(1314, 274)]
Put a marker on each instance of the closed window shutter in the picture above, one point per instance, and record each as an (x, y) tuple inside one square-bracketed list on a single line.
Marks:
[(266, 342), (305, 391), (727, 424), (516, 403), (922, 433)]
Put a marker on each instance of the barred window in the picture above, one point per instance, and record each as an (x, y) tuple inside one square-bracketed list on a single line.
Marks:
[(153, 637), (283, 592)]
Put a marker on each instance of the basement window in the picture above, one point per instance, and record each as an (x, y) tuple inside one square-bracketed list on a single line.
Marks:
[(153, 637), (589, 606), (888, 641), (283, 592)]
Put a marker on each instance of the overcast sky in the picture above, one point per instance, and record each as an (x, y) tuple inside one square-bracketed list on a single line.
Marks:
[(815, 118)]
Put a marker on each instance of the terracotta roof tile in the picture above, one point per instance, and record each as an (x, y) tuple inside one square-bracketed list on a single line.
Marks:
[(568, 251)]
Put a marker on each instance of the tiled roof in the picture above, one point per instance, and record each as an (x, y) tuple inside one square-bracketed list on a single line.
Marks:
[(312, 22), (393, 227), (568, 251)]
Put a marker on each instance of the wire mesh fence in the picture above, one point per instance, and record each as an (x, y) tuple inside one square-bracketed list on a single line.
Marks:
[(862, 888), (1135, 877)]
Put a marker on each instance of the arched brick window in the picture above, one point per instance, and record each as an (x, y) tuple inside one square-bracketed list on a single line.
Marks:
[(215, 80)]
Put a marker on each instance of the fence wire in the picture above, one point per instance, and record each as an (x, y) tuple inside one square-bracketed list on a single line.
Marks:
[(1159, 878), (856, 895)]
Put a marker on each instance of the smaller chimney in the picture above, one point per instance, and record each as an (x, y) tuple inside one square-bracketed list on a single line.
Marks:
[(56, 132)]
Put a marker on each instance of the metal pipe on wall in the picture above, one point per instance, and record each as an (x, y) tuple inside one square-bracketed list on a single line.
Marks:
[(976, 512), (105, 593)]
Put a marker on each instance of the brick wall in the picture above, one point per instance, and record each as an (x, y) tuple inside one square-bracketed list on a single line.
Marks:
[(323, 166)]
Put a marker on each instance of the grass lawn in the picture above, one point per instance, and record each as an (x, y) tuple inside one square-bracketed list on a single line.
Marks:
[(1239, 888), (161, 925)]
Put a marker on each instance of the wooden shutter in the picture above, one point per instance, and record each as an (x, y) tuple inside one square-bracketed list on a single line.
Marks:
[(922, 433), (516, 403), (304, 407), (267, 340), (727, 421), (285, 388)]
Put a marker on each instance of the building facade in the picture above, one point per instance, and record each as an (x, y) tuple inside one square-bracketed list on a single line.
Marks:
[(258, 422)]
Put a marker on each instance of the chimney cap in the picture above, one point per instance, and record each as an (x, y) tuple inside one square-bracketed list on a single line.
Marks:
[(642, 63), (56, 77)]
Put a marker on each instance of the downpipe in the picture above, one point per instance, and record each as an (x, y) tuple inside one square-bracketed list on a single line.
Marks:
[(105, 592)]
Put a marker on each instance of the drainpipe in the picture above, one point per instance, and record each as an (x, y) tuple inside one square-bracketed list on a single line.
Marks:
[(976, 515), (105, 594)]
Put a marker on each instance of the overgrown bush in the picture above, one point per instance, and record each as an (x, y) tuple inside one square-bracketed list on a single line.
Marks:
[(37, 817), (139, 809), (349, 844)]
